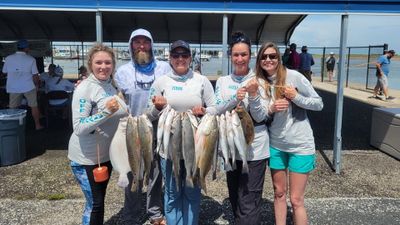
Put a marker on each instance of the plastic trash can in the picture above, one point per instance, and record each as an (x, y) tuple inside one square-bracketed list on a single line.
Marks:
[(12, 136)]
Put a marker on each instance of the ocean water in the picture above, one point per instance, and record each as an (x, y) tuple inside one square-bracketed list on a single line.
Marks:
[(357, 71)]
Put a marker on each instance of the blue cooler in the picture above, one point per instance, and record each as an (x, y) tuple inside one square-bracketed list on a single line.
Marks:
[(12, 136)]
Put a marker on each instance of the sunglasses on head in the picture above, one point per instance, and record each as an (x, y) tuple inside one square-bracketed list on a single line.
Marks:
[(177, 55), (238, 39), (271, 56)]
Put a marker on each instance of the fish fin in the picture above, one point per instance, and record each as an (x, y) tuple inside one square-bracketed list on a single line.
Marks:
[(123, 181)]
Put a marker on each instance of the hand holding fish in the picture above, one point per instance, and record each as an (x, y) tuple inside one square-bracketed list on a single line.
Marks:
[(241, 93), (290, 92), (252, 87), (112, 105), (279, 105), (198, 110), (159, 102)]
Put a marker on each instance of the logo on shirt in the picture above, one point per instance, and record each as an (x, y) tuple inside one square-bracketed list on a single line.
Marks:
[(177, 88), (233, 87)]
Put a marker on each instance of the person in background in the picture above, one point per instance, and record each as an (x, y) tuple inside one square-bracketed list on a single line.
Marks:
[(292, 147), (294, 58), (134, 79), (95, 116), (45, 76), (23, 80), (306, 61), (330, 66), (57, 83), (382, 73), (285, 57), (82, 73), (183, 89), (245, 189), (197, 61)]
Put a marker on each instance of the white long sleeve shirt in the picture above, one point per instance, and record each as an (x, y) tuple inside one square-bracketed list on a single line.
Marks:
[(225, 92)]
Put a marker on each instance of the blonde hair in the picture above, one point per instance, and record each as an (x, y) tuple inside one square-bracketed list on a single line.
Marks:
[(280, 71), (98, 47)]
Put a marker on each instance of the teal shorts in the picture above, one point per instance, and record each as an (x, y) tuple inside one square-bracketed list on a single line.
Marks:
[(280, 160)]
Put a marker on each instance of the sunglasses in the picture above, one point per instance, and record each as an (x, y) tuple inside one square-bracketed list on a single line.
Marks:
[(177, 55), (271, 56)]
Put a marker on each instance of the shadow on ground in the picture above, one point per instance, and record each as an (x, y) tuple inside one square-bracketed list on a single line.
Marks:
[(53, 137), (356, 126)]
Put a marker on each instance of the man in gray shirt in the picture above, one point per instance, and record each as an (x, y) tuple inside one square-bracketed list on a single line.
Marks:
[(134, 80)]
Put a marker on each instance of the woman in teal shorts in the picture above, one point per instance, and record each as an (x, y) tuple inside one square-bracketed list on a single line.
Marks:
[(292, 148)]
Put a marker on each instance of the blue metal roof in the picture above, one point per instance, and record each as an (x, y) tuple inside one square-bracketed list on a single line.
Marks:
[(214, 6), (193, 20)]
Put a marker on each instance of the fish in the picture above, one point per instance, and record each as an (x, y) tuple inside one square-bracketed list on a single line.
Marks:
[(247, 124), (175, 148), (167, 130), (119, 153), (207, 135), (134, 151), (240, 140), (188, 148), (223, 142), (230, 136), (160, 127), (145, 130)]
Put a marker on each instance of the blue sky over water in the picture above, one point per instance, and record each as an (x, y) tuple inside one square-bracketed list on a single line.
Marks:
[(363, 30)]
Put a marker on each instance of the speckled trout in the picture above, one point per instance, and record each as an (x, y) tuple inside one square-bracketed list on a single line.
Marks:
[(134, 152), (240, 140), (205, 145), (247, 124), (188, 131), (145, 130)]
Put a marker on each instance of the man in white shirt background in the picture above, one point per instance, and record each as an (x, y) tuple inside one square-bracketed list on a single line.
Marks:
[(23, 80)]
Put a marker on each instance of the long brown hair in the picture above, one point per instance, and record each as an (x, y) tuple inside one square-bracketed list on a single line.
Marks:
[(280, 71)]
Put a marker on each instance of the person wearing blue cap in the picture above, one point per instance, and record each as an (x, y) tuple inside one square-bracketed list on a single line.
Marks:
[(23, 79), (182, 89)]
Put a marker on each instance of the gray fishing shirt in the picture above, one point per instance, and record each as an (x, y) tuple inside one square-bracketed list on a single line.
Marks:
[(225, 92), (93, 124), (290, 130), (182, 92)]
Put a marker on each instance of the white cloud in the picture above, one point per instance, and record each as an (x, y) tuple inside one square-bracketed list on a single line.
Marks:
[(324, 30)]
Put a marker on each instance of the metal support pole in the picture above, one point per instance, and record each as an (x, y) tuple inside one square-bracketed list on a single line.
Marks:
[(348, 67), (337, 142), (225, 45), (99, 27), (323, 64)]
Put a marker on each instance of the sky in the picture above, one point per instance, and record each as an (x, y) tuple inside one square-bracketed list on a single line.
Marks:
[(324, 31)]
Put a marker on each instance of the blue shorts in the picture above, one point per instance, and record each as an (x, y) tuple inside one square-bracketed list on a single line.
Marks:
[(280, 160)]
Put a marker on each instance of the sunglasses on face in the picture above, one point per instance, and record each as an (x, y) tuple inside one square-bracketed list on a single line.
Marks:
[(177, 55), (272, 56)]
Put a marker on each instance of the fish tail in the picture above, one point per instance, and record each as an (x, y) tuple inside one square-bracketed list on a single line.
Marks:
[(203, 184), (227, 166), (123, 181), (189, 181), (245, 168)]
